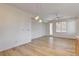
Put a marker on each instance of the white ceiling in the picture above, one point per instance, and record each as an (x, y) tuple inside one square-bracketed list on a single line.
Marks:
[(47, 11)]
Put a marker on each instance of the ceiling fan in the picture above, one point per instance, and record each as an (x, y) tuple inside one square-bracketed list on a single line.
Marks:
[(58, 17)]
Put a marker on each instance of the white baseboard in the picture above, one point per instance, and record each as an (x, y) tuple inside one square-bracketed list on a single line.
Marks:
[(38, 37), (14, 46)]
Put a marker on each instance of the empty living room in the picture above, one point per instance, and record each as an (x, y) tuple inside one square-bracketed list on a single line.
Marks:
[(39, 29)]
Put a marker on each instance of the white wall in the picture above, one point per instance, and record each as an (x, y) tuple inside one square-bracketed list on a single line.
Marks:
[(15, 27), (47, 29), (77, 27), (71, 31), (38, 29)]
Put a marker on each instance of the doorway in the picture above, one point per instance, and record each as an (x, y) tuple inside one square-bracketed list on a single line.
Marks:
[(50, 28)]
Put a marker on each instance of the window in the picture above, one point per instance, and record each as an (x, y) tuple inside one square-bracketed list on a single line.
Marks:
[(64, 27), (58, 27), (61, 27)]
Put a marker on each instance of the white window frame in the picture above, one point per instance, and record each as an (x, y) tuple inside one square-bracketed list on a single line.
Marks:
[(62, 25)]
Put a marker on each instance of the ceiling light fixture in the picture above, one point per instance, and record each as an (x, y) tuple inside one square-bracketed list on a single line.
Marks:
[(40, 20), (37, 17)]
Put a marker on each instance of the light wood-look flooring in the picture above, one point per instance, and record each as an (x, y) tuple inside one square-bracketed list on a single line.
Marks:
[(44, 46), (77, 46)]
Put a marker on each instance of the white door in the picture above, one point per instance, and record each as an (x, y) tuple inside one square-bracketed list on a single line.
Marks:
[(23, 32)]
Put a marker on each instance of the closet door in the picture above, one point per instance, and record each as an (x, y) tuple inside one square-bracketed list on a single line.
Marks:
[(23, 29), (28, 28)]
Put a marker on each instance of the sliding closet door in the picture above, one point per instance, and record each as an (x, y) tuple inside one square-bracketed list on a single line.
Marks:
[(20, 33), (23, 29), (28, 27)]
